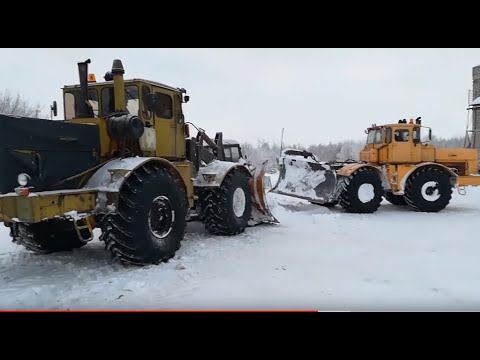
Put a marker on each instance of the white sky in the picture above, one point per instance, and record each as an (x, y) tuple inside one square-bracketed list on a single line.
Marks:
[(317, 95)]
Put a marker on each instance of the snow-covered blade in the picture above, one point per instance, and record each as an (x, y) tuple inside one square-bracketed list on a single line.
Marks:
[(260, 211), (303, 176)]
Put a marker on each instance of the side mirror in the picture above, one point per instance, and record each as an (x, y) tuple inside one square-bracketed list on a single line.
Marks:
[(180, 118), (152, 101), (186, 98), (429, 134), (53, 109)]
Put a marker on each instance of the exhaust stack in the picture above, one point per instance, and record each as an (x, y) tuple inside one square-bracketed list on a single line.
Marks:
[(85, 109)]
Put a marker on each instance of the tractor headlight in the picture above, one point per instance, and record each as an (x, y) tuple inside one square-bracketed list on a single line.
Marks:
[(23, 179)]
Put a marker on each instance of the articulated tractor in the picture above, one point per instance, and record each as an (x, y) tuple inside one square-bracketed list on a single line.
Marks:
[(122, 161), (397, 163)]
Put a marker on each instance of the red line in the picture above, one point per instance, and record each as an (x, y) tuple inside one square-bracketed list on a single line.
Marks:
[(245, 311)]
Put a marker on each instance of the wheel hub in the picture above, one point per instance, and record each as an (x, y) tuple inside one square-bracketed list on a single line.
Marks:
[(430, 191), (239, 202), (366, 193), (161, 217)]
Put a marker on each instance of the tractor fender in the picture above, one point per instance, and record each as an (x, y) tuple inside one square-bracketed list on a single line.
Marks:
[(349, 169), (212, 175), (108, 180), (423, 165)]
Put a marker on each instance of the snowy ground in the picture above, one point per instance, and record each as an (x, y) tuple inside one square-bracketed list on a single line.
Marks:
[(317, 258)]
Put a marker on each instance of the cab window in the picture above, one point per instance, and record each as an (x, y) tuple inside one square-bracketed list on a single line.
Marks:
[(131, 100), (401, 135), (147, 114), (72, 101), (235, 154), (375, 136), (371, 136), (228, 154), (388, 136), (379, 136), (165, 106)]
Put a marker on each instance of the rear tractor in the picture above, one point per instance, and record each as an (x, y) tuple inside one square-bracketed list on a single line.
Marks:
[(123, 161), (397, 163)]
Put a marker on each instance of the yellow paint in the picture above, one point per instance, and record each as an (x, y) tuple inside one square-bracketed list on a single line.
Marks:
[(165, 130), (119, 92), (428, 153), (7, 208), (369, 155), (396, 173), (107, 145), (46, 205), (170, 130), (468, 180), (347, 170), (180, 149), (185, 168)]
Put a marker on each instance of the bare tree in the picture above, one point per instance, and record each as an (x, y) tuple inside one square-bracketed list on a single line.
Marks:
[(17, 105)]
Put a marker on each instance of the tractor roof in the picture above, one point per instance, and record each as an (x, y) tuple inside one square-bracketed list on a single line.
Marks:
[(379, 126), (129, 81)]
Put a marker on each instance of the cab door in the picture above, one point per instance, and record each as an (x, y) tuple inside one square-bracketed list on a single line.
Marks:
[(382, 147), (180, 127), (402, 146), (164, 123)]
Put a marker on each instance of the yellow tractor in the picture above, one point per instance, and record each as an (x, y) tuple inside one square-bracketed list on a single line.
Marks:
[(397, 163), (122, 161)]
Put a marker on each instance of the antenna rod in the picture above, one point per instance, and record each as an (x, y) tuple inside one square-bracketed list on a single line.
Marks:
[(281, 142)]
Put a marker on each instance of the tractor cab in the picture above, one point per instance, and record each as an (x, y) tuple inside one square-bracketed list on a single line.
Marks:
[(156, 105), (396, 143), (138, 94), (232, 150)]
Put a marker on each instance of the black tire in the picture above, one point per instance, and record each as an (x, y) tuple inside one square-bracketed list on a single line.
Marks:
[(218, 212), (394, 199), (47, 236), (421, 197), (150, 220), (348, 190)]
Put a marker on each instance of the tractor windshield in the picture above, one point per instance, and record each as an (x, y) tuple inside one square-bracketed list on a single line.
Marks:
[(131, 100), (72, 100), (376, 136)]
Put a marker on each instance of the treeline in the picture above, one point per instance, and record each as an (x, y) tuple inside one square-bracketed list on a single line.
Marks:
[(350, 149), (18, 105)]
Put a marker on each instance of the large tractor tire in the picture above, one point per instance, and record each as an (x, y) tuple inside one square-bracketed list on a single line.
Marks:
[(361, 192), (47, 236), (394, 199), (150, 221), (227, 209), (428, 190)]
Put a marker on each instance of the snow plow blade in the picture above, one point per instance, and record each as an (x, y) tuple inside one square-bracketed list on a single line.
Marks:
[(260, 211), (303, 176)]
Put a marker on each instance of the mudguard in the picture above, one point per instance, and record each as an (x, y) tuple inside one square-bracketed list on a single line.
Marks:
[(110, 177), (421, 165)]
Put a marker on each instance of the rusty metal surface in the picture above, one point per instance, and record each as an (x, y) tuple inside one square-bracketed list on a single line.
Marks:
[(260, 209)]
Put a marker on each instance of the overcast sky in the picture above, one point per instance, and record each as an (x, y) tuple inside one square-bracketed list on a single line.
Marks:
[(317, 95)]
